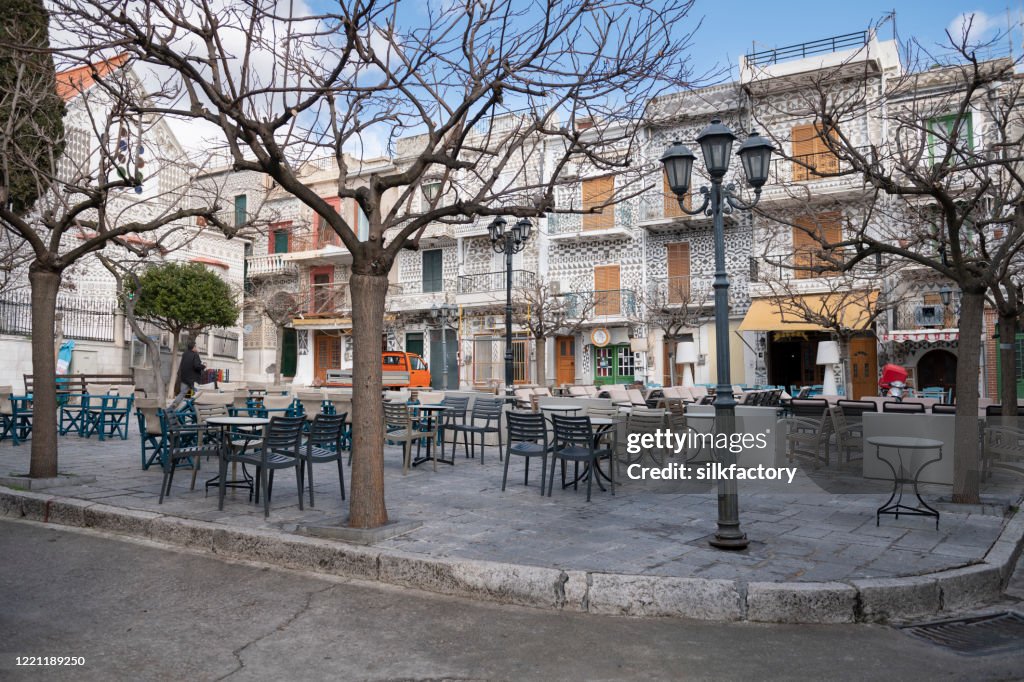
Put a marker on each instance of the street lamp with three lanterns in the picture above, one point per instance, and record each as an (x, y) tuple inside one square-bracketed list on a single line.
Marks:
[(510, 242)]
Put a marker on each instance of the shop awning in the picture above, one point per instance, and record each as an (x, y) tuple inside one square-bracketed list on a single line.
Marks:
[(790, 313), (926, 335)]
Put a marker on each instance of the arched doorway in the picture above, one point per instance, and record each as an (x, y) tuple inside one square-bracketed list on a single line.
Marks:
[(937, 368)]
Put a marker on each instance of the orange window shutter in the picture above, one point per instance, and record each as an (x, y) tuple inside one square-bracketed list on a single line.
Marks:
[(804, 146), (825, 161), (597, 191), (678, 255), (606, 288)]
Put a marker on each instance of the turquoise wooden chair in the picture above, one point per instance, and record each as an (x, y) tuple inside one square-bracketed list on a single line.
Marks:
[(152, 431), (108, 415)]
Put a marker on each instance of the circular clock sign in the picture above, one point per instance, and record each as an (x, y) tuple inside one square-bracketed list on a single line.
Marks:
[(600, 337)]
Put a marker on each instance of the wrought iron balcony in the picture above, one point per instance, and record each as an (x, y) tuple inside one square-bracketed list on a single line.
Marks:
[(489, 282), (603, 303), (325, 299)]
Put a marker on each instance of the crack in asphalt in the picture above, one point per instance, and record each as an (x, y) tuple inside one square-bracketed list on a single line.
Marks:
[(237, 653)]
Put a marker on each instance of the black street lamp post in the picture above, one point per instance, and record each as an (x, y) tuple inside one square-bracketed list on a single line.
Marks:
[(509, 242), (446, 316), (755, 153)]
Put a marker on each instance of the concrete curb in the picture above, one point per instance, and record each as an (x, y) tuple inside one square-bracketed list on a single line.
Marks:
[(867, 600)]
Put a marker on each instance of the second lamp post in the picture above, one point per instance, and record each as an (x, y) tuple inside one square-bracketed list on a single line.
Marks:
[(755, 154), (509, 242)]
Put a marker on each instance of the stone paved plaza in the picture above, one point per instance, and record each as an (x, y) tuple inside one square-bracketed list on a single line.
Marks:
[(798, 533)]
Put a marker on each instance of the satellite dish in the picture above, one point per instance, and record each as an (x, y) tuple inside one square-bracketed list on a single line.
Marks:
[(247, 329)]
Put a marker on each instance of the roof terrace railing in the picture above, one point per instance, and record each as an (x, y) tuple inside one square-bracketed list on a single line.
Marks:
[(823, 46)]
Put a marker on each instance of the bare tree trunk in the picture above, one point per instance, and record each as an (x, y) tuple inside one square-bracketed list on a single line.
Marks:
[(279, 355), (153, 347), (542, 361), (366, 508), (1008, 364), (965, 449), (45, 285), (672, 364), (174, 383)]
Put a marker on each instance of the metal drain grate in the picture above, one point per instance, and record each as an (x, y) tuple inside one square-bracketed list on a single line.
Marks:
[(976, 636)]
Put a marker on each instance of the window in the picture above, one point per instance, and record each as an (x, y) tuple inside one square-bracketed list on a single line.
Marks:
[(807, 248), (394, 360), (811, 156), (417, 363), (945, 129), (433, 278), (241, 210), (359, 222), (325, 234), (597, 191), (678, 272), (280, 238), (606, 290)]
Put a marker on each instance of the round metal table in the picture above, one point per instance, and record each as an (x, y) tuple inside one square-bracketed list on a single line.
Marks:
[(894, 505)]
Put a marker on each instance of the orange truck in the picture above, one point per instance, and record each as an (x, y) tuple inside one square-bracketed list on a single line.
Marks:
[(398, 370)]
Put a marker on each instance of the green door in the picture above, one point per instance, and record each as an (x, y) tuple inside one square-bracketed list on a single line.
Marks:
[(1018, 347), (414, 343), (289, 351), (280, 241), (614, 365)]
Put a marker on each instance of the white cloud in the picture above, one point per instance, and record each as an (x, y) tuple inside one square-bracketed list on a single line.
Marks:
[(976, 24)]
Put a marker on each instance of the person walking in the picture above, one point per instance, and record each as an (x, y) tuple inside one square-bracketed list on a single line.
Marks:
[(189, 372)]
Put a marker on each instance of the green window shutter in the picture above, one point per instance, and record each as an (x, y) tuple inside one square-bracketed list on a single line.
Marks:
[(433, 279), (280, 241), (241, 210)]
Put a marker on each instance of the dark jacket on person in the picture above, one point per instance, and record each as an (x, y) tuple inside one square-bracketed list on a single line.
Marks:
[(191, 368)]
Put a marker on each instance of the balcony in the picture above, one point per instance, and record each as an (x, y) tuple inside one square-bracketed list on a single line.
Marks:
[(489, 287), (313, 248), (270, 265), (681, 291), (325, 300), (919, 315), (605, 306), (409, 296), (770, 271), (821, 172), (569, 227)]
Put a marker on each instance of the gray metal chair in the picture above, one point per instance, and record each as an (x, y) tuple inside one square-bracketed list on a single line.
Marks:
[(527, 438), (323, 444), (279, 449), (183, 441), (574, 442), (489, 412), (400, 427), (849, 437)]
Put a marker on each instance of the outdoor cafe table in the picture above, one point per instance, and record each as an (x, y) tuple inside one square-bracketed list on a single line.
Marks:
[(901, 473), (430, 412), (225, 443)]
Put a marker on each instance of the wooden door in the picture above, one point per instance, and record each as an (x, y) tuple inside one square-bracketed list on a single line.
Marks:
[(326, 355), (863, 366), (678, 283), (565, 360)]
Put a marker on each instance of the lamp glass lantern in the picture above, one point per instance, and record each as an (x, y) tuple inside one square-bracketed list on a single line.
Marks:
[(945, 295), (525, 228), (431, 189), (678, 161), (716, 145), (497, 228), (755, 154)]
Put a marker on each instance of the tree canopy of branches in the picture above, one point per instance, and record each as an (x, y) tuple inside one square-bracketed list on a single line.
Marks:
[(487, 88), (279, 306), (940, 189), (184, 297), (673, 308), (82, 201)]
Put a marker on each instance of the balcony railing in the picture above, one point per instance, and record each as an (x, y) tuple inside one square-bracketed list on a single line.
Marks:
[(494, 281), (602, 303), (918, 314), (325, 299), (269, 264), (789, 265), (680, 291), (846, 41), (809, 167)]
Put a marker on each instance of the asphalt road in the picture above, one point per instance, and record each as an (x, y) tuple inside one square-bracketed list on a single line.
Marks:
[(138, 611)]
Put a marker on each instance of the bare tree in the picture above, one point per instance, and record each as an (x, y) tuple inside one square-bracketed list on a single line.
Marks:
[(673, 307), (544, 311), (86, 179), (280, 306), (283, 88), (937, 187)]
